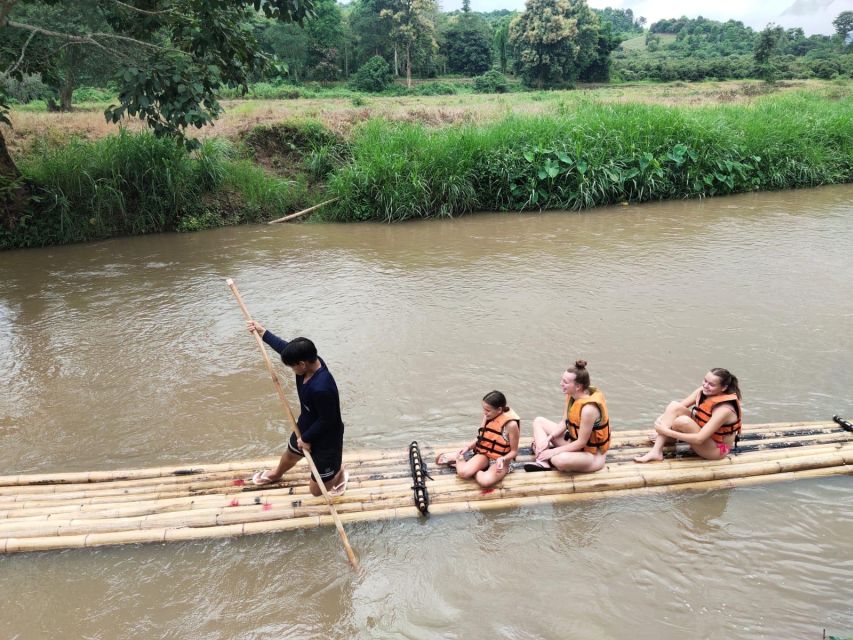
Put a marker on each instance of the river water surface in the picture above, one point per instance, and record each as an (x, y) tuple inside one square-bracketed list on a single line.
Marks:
[(132, 353)]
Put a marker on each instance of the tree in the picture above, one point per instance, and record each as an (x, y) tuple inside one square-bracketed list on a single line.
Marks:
[(765, 46), (843, 24), (325, 36), (61, 68), (373, 76), (598, 70), (467, 45), (172, 58), (371, 30), (554, 41), (501, 42), (287, 42), (411, 25)]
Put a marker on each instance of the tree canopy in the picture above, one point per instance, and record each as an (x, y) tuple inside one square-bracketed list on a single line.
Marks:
[(554, 41), (171, 55)]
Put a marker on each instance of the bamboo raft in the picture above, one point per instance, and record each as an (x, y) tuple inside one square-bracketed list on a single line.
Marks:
[(90, 509)]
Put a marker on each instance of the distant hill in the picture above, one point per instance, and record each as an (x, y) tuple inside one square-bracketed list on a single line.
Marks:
[(638, 43)]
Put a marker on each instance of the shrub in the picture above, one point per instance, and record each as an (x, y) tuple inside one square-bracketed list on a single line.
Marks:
[(435, 89), (93, 94), (491, 82), (373, 76), (28, 88)]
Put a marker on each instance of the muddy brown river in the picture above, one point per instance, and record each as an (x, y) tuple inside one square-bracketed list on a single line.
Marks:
[(133, 353)]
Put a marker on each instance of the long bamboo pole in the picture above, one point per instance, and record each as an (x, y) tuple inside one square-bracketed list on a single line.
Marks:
[(286, 406), (299, 214)]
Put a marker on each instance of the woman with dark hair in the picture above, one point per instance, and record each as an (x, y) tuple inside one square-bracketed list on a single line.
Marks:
[(494, 448), (709, 419), (581, 440)]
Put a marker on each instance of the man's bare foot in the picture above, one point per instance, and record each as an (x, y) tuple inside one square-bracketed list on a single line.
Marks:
[(651, 456)]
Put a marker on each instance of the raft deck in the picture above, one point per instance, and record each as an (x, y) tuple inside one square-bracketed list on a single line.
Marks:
[(165, 504)]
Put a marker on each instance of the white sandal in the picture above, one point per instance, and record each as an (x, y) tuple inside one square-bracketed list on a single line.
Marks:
[(339, 489)]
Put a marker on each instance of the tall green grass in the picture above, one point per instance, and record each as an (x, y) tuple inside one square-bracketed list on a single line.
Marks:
[(589, 154), (132, 184)]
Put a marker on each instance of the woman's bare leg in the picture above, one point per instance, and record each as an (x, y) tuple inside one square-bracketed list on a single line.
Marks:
[(672, 412), (543, 431), (469, 468), (491, 475), (579, 461)]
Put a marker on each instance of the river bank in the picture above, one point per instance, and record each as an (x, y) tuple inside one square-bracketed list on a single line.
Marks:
[(556, 150)]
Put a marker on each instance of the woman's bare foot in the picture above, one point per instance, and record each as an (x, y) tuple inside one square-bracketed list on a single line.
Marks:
[(651, 456)]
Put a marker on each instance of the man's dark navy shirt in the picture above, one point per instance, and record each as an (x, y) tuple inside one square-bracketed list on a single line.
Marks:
[(320, 416)]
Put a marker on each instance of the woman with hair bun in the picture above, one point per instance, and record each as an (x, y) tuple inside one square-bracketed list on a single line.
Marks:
[(487, 458), (709, 419), (581, 440)]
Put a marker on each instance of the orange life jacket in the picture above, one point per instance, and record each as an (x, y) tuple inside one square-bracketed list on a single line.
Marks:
[(702, 413), (492, 439), (599, 439)]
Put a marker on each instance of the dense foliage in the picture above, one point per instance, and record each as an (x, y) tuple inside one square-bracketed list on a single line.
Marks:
[(554, 41), (373, 76), (136, 183), (697, 49), (595, 154)]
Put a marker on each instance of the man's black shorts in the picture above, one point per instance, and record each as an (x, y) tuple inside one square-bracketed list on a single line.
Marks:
[(328, 461)]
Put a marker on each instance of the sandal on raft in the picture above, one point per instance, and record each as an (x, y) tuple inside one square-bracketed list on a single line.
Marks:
[(537, 466), (338, 489), (263, 477)]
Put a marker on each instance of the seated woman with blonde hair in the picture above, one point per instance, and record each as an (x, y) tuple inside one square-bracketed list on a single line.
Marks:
[(709, 419), (494, 448), (580, 442)]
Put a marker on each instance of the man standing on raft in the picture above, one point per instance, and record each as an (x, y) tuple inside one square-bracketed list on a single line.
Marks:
[(319, 420)]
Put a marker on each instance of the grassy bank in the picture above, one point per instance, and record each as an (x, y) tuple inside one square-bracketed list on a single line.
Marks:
[(593, 155), (133, 184), (572, 151)]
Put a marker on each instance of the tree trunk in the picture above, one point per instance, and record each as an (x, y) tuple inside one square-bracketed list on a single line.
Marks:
[(396, 64), (14, 193), (66, 93), (408, 67)]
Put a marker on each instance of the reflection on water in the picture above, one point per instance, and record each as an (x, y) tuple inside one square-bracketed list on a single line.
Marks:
[(132, 353)]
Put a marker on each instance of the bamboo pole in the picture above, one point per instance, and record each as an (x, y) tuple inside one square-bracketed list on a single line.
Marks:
[(45, 543), (286, 406), (299, 214), (179, 472), (374, 483), (455, 491)]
